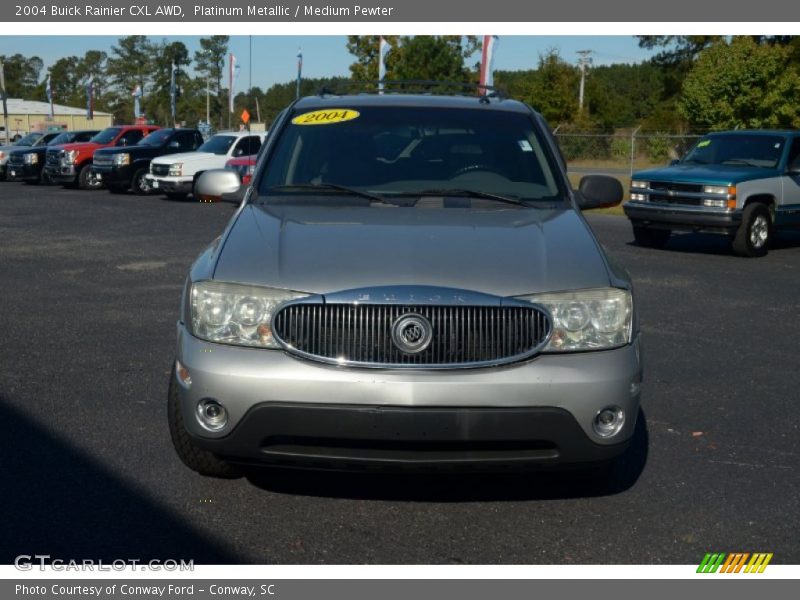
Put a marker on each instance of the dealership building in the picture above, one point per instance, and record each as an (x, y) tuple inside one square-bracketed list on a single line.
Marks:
[(30, 115)]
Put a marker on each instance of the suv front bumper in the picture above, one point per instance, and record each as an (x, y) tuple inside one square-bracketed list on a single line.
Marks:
[(171, 185), (61, 173), (682, 218), (113, 175), (288, 411)]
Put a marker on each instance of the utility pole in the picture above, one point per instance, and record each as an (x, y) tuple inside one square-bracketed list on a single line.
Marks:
[(208, 101), (584, 61)]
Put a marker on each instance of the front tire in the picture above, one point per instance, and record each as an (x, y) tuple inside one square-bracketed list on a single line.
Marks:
[(651, 238), (139, 183), (755, 233), (197, 459), (86, 181)]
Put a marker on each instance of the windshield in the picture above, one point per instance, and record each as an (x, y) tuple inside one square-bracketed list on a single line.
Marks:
[(408, 151), (743, 149), (157, 138), (28, 140), (106, 136), (219, 144), (62, 138)]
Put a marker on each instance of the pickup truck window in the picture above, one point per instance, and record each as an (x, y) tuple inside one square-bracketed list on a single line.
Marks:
[(247, 146), (219, 144), (749, 150), (187, 141), (106, 136), (28, 140), (131, 138), (156, 138), (408, 151)]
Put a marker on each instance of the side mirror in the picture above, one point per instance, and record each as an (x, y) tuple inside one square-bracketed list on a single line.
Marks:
[(674, 161), (599, 191), (214, 185)]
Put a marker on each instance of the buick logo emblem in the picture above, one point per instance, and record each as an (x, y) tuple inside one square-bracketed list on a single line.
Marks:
[(412, 333)]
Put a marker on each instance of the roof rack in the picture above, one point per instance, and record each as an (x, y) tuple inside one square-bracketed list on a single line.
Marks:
[(414, 86)]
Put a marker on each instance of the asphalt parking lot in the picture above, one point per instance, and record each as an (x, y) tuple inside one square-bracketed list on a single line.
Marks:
[(89, 294)]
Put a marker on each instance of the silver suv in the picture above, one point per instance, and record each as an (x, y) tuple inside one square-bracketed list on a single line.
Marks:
[(408, 281)]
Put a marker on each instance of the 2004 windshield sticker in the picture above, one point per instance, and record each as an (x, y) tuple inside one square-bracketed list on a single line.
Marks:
[(329, 116)]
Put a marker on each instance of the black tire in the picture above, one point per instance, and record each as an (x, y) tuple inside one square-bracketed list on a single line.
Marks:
[(139, 183), (175, 195), (651, 238), (197, 459), (754, 235), (85, 179)]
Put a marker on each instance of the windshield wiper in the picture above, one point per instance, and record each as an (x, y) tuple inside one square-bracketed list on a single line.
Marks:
[(739, 161), (470, 194), (331, 187)]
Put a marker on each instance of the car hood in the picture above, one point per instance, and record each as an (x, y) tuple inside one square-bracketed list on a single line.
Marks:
[(12, 148), (711, 174), (185, 157), (504, 252), (139, 151), (81, 146)]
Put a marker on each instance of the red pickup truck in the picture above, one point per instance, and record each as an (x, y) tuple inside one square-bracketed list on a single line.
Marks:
[(71, 164)]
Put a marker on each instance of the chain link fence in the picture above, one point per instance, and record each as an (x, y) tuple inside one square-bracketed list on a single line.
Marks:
[(621, 154)]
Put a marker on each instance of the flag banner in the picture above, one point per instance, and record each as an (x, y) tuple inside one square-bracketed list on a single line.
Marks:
[(90, 99), (299, 71), (233, 74), (137, 95), (487, 60), (384, 48), (49, 91), (172, 93)]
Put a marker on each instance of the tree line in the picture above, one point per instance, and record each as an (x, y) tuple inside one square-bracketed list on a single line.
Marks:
[(692, 83)]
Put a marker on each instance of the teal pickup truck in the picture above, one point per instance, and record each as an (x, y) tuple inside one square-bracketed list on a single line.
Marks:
[(745, 184)]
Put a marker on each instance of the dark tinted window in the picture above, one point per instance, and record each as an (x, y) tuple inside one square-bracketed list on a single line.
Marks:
[(157, 138), (403, 150), (84, 136), (738, 150), (247, 146), (130, 137), (106, 136), (187, 141), (219, 144)]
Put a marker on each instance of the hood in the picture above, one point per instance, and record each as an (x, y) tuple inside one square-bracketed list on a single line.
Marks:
[(139, 151), (710, 174), (504, 252), (184, 157), (80, 146)]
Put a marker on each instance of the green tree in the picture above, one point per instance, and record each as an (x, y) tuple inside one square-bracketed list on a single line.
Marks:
[(130, 65), (553, 89), (210, 63), (742, 84), (21, 74), (159, 100), (365, 48)]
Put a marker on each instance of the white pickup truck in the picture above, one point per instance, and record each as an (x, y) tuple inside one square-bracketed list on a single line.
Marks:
[(175, 175)]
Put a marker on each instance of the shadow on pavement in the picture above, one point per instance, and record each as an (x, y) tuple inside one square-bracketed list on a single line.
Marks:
[(58, 501), (715, 244), (463, 487)]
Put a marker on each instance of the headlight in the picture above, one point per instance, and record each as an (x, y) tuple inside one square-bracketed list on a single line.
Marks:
[(236, 314), (639, 184), (122, 159), (176, 169), (716, 189), (70, 156), (2, 155), (588, 319), (31, 158)]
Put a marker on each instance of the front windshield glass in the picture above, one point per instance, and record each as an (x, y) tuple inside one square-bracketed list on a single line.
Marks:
[(28, 140), (219, 144), (157, 138), (106, 136), (62, 138), (749, 150), (408, 151)]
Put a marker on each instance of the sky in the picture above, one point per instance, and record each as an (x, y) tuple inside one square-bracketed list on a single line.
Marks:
[(274, 57)]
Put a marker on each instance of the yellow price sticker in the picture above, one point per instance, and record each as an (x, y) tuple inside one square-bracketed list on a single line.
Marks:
[(704, 143), (326, 117)]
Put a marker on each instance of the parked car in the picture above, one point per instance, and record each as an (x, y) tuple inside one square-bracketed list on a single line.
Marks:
[(27, 164), (408, 282), (71, 164), (743, 184), (245, 166), (126, 167), (175, 175), (34, 139)]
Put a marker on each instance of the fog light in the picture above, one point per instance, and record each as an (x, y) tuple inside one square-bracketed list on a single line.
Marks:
[(609, 421), (211, 414)]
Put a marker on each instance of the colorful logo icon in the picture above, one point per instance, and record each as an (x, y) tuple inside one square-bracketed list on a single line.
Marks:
[(735, 562)]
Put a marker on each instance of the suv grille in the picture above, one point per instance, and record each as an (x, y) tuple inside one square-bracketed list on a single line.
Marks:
[(673, 193), (162, 170), (16, 159), (462, 336), (102, 160)]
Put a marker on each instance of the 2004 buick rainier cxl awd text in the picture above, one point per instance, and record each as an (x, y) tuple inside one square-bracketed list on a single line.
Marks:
[(408, 282)]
